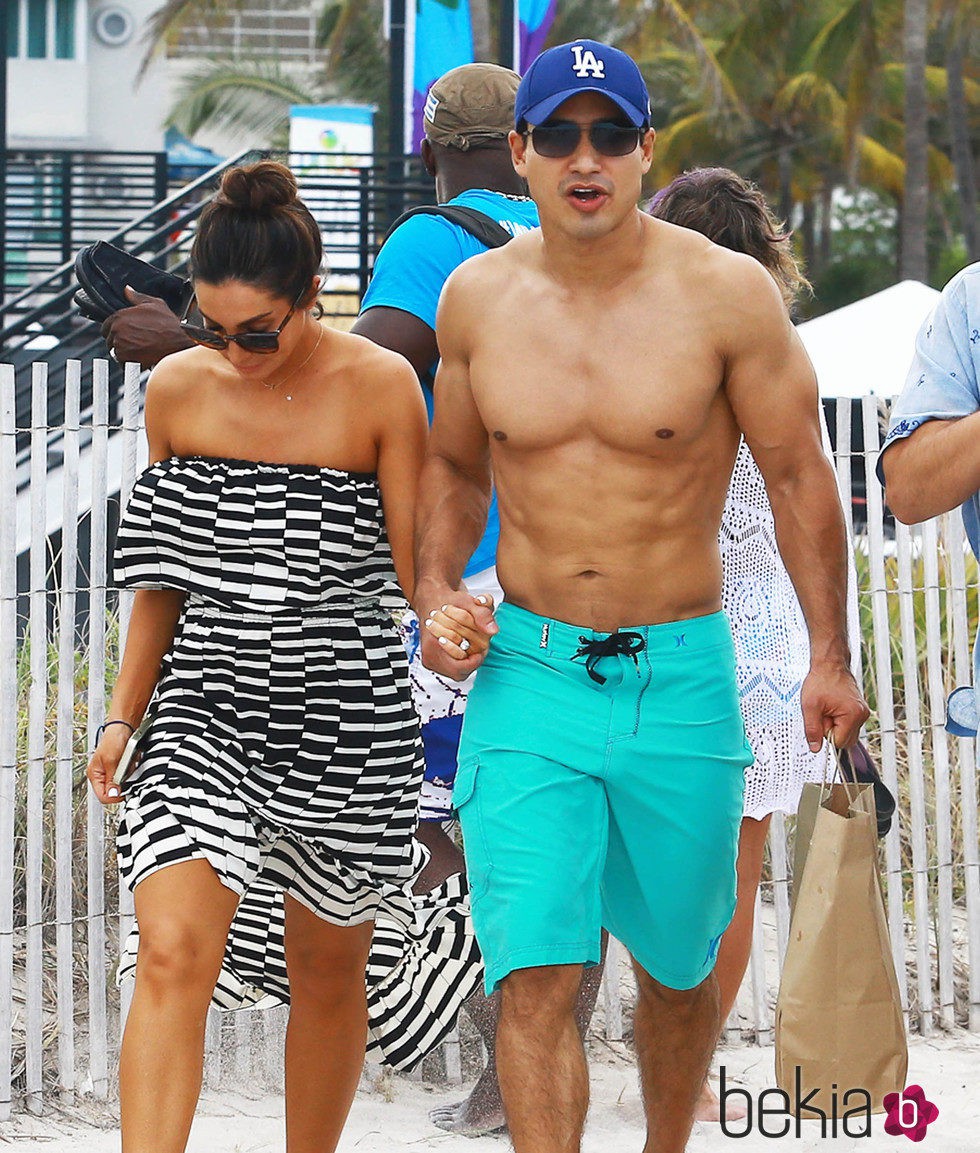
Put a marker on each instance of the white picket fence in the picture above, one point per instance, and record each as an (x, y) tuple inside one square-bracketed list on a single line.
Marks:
[(61, 912)]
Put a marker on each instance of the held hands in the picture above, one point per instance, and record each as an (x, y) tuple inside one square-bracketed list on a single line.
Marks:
[(833, 706), (144, 333), (456, 632), (102, 766)]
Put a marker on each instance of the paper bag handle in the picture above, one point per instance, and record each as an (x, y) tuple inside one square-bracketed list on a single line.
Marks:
[(833, 756)]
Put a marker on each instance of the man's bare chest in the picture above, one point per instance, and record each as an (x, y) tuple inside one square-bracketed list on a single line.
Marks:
[(635, 390)]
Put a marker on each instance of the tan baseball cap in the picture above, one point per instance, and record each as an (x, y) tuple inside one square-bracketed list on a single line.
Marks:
[(471, 103)]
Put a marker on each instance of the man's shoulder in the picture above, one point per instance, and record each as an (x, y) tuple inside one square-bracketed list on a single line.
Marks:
[(488, 268), (516, 213), (964, 288), (715, 272)]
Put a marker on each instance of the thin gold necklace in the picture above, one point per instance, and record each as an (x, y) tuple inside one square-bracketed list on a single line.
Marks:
[(272, 385)]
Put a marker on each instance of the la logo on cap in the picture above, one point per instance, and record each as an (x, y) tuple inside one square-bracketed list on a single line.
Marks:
[(586, 63)]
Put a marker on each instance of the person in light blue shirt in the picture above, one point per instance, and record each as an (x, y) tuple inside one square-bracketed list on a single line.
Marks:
[(930, 461), (468, 115), (416, 262)]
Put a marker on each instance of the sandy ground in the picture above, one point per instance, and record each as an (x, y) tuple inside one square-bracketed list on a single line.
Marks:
[(390, 1114)]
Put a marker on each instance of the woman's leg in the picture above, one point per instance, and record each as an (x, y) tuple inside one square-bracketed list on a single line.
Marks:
[(736, 944), (327, 1032), (184, 912)]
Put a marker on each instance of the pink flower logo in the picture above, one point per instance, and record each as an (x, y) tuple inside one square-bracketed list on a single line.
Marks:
[(909, 1112)]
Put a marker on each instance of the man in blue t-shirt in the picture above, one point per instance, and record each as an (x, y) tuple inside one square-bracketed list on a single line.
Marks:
[(468, 114)]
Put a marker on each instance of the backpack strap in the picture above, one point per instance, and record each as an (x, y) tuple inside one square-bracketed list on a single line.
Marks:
[(485, 229)]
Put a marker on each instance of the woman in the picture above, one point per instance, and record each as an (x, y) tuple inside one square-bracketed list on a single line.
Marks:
[(772, 649), (273, 809)]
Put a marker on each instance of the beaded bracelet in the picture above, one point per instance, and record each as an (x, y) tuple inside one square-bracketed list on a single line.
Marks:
[(105, 724)]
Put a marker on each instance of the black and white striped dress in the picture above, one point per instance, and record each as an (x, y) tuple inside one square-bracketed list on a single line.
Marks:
[(284, 748)]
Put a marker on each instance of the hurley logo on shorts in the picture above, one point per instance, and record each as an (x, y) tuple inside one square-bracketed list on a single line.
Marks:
[(586, 63)]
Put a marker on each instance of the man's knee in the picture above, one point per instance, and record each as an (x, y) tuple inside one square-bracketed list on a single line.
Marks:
[(655, 993), (542, 992)]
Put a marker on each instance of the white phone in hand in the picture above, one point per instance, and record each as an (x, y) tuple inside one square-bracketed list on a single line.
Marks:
[(130, 754)]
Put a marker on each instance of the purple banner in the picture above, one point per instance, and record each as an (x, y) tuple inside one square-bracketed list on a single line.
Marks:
[(535, 18)]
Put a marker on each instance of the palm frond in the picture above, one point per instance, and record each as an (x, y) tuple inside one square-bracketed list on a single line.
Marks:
[(937, 86), (810, 96), (839, 39), (880, 167), (251, 98)]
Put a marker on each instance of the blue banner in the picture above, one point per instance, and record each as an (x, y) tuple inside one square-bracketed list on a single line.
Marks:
[(536, 18), (443, 40)]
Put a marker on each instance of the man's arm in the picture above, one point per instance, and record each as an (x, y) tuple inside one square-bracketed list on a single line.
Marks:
[(399, 307), (773, 392), (454, 493), (931, 460), (402, 332), (934, 469)]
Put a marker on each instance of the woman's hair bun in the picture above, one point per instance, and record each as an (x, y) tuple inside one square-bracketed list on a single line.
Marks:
[(260, 188)]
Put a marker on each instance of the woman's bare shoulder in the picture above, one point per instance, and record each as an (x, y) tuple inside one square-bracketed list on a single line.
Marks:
[(181, 371)]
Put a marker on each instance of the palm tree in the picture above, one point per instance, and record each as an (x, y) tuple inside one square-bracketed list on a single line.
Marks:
[(958, 24), (252, 96), (915, 205)]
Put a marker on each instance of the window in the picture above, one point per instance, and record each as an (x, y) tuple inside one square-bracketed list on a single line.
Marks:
[(13, 30), (284, 29), (64, 29), (42, 29)]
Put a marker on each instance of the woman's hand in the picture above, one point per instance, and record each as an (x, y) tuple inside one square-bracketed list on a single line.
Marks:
[(457, 630), (102, 766)]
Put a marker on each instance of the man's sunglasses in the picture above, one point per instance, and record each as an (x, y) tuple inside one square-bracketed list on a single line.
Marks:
[(557, 139), (250, 341)]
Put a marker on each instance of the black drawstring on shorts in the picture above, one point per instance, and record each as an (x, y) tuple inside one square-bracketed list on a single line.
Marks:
[(629, 644)]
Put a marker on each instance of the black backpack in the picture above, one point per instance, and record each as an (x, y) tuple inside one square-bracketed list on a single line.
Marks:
[(487, 230)]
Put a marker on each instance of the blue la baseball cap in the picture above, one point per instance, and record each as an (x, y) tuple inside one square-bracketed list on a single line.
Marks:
[(581, 66)]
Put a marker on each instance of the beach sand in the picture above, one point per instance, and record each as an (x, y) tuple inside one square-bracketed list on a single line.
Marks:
[(390, 1114)]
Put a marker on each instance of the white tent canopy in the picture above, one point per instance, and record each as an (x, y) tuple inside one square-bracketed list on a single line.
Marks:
[(866, 347)]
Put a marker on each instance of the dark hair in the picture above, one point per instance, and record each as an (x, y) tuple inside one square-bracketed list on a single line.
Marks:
[(257, 230), (732, 212)]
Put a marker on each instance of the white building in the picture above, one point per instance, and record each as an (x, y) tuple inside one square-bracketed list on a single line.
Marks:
[(73, 66)]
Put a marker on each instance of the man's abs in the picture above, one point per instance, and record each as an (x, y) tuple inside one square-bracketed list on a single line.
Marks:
[(613, 540)]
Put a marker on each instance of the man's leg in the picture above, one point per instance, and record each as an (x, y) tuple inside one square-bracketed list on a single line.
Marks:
[(675, 1033), (541, 1063), (736, 945), (483, 1111)]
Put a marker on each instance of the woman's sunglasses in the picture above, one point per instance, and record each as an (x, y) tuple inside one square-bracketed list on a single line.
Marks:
[(557, 139), (250, 341)]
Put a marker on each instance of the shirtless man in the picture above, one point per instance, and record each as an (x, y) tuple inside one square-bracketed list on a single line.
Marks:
[(604, 368)]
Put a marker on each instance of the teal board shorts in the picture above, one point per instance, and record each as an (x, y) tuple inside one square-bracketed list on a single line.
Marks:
[(599, 785)]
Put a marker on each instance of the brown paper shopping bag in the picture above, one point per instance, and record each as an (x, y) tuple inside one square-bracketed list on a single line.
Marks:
[(839, 1024)]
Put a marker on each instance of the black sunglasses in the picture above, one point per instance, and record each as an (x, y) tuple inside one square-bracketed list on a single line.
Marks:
[(556, 139), (250, 341)]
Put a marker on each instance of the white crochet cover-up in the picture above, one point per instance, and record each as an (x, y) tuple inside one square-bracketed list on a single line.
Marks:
[(772, 648)]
